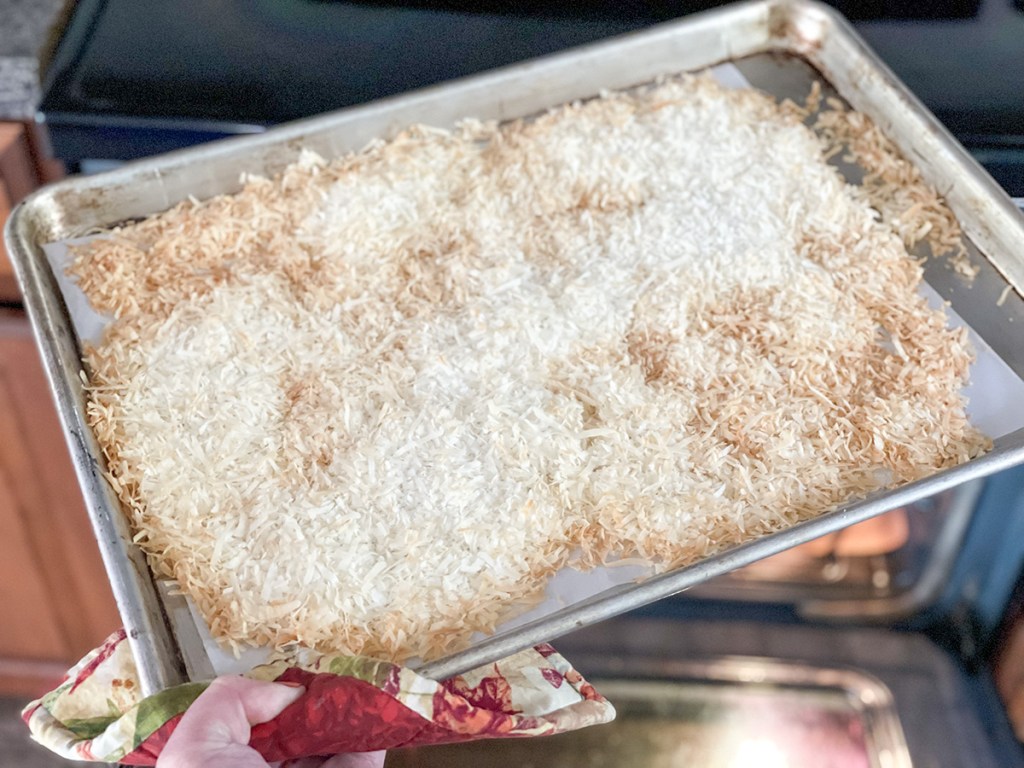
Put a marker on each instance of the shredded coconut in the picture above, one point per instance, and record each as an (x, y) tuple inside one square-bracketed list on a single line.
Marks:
[(370, 405), (1003, 295), (893, 185)]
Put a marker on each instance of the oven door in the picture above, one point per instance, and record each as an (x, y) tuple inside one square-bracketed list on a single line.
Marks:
[(739, 694), (871, 649)]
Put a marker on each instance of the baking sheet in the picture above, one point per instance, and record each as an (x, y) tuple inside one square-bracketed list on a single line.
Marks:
[(780, 45), (996, 406)]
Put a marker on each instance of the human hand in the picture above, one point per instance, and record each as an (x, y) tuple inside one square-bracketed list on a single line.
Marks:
[(216, 728)]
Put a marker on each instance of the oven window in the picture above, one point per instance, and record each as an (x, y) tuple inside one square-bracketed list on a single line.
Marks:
[(884, 569)]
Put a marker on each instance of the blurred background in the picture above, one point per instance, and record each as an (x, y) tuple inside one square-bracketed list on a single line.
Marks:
[(898, 642)]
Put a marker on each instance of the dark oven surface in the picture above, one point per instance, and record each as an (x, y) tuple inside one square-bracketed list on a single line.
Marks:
[(135, 77), (949, 717)]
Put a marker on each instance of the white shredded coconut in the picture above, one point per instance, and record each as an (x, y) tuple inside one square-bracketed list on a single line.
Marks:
[(371, 404)]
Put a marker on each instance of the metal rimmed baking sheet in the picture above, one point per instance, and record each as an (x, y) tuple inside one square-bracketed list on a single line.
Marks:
[(778, 46)]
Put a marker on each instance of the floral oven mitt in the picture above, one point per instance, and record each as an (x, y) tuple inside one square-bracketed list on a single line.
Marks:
[(350, 704)]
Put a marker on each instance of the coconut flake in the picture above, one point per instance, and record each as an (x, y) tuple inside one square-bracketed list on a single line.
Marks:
[(371, 404)]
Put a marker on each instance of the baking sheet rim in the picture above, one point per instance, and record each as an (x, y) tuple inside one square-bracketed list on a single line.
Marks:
[(144, 614)]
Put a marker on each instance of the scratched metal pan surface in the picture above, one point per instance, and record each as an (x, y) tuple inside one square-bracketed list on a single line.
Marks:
[(778, 45)]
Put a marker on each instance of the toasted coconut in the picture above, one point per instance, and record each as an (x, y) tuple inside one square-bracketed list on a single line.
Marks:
[(370, 404)]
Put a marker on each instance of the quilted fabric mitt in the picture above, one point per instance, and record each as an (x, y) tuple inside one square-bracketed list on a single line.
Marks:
[(351, 704)]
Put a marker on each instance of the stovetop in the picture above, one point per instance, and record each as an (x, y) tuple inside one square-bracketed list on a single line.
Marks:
[(134, 77)]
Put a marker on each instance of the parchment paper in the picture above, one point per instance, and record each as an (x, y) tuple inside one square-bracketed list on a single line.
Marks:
[(996, 406)]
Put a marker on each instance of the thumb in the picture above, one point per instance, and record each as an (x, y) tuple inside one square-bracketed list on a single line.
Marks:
[(215, 730), (257, 700)]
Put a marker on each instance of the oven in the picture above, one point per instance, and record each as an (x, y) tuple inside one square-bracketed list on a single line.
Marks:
[(131, 78), (880, 646), (898, 642)]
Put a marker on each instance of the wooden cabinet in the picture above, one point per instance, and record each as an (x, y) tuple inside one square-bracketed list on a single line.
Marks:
[(23, 168), (55, 603), (18, 177)]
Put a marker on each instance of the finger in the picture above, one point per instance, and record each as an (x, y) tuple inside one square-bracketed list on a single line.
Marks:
[(215, 730), (224, 712), (357, 760), (260, 700)]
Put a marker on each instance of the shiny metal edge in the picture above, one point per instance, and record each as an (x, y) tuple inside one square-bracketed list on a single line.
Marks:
[(928, 588), (1008, 452), (74, 206), (956, 505), (988, 217), (155, 649), (141, 188), (868, 695)]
